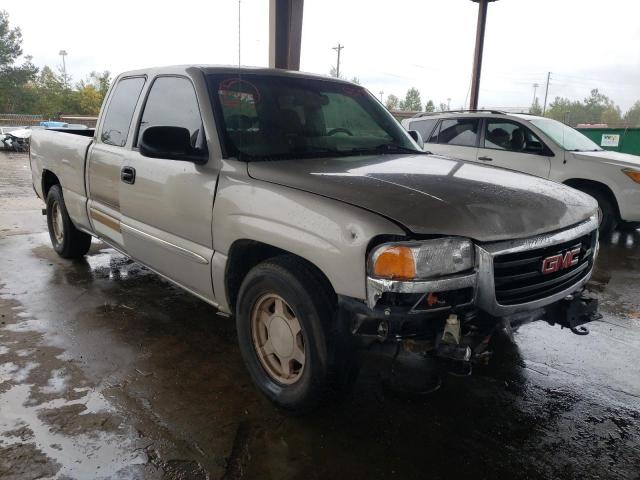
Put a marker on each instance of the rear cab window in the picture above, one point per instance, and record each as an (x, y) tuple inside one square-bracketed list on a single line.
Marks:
[(117, 119)]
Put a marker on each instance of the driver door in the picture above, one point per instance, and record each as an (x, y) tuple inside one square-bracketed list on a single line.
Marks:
[(167, 205)]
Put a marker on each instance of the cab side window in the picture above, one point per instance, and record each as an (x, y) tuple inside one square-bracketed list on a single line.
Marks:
[(511, 136), (172, 102), (459, 131), (117, 119)]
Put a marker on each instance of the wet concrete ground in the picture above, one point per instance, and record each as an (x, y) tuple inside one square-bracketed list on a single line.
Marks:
[(108, 371)]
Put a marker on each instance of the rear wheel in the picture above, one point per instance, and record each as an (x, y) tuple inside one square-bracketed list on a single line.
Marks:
[(286, 321), (67, 240)]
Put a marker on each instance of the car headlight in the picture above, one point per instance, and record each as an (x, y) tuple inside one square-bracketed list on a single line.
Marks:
[(632, 174), (421, 259)]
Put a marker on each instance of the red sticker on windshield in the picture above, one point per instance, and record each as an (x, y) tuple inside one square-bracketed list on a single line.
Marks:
[(352, 90), (234, 91)]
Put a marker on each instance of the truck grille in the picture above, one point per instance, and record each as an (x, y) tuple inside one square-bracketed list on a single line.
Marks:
[(519, 278)]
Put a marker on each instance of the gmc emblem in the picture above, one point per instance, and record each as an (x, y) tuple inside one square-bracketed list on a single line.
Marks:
[(561, 261)]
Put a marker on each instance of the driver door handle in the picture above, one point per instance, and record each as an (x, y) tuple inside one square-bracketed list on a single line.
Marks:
[(128, 175), (485, 159)]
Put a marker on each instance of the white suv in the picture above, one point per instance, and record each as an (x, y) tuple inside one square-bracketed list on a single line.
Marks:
[(542, 147)]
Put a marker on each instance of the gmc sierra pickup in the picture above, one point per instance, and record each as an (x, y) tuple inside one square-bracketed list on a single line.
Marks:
[(298, 204)]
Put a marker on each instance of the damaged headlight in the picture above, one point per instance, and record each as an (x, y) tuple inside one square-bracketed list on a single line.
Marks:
[(420, 260)]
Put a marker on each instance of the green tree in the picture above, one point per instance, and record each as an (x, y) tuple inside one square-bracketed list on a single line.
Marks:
[(535, 108), (10, 41), (355, 80), (632, 117), (411, 102), (334, 73), (430, 106), (91, 92), (392, 102), (13, 78), (596, 108)]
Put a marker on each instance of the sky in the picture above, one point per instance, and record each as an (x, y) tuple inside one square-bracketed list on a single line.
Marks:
[(389, 45)]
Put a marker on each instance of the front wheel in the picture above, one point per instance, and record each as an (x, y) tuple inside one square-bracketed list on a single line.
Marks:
[(67, 240), (285, 318), (608, 211)]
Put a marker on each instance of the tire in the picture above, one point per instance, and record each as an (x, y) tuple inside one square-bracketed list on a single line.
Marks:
[(308, 299), (67, 240), (607, 207)]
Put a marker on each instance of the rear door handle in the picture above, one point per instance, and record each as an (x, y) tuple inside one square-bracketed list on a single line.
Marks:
[(128, 175), (485, 159)]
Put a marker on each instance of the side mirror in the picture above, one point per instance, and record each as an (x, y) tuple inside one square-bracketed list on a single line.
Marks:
[(172, 143), (417, 137)]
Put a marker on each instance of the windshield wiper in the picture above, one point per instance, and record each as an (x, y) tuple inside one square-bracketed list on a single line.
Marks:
[(388, 148), (311, 149)]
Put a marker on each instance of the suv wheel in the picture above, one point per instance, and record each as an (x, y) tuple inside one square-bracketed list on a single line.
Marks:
[(608, 211), (286, 319)]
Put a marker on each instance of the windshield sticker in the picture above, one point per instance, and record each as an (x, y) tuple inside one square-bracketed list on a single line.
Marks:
[(234, 92), (352, 90)]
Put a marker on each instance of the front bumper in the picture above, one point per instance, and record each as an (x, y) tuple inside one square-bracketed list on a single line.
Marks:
[(482, 279)]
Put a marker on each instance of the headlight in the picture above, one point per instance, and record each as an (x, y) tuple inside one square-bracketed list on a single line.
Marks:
[(632, 174), (421, 260)]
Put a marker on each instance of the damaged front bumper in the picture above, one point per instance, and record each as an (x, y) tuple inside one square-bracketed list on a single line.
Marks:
[(508, 286)]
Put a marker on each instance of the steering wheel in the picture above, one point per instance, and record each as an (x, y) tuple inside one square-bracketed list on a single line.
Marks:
[(333, 131)]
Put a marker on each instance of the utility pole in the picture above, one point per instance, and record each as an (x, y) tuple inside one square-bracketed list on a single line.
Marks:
[(448, 104), (63, 53), (535, 88), (381, 93), (546, 92), (477, 55), (337, 49)]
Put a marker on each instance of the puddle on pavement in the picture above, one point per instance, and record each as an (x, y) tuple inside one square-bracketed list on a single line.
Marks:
[(106, 365)]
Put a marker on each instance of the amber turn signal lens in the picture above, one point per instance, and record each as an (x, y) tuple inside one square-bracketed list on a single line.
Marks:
[(632, 174), (395, 262)]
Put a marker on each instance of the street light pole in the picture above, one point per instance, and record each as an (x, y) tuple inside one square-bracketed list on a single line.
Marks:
[(63, 54), (546, 93), (477, 55)]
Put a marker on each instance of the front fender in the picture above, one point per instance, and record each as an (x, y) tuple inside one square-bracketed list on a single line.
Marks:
[(332, 235)]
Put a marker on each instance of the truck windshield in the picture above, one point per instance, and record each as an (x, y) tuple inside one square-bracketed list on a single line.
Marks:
[(565, 136), (268, 117)]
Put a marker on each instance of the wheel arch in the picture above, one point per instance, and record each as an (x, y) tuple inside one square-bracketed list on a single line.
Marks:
[(49, 179), (244, 254), (582, 183)]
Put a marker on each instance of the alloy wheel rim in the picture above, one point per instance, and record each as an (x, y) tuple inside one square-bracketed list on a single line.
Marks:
[(278, 339), (56, 222)]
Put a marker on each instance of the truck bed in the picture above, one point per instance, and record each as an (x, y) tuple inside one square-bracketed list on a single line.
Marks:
[(63, 153)]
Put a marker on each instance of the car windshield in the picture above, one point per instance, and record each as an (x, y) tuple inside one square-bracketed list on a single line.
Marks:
[(267, 117), (565, 136)]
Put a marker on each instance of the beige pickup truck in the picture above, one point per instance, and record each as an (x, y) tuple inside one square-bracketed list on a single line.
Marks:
[(299, 205)]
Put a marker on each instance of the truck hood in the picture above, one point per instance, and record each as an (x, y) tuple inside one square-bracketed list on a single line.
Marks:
[(623, 160), (429, 194)]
